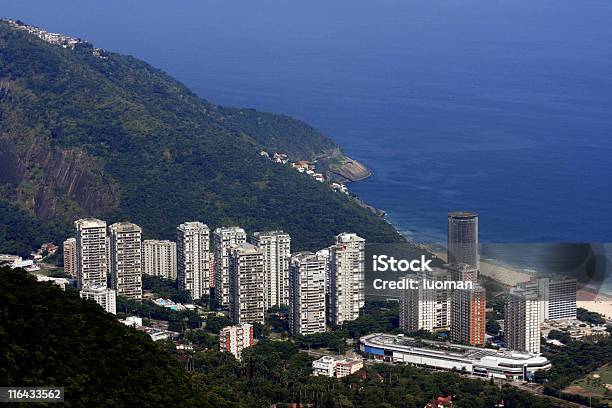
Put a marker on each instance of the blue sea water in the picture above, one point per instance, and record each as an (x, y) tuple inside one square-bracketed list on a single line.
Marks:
[(501, 107)]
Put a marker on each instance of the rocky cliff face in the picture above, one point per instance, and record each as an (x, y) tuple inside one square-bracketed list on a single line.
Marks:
[(341, 168), (54, 183), (350, 170)]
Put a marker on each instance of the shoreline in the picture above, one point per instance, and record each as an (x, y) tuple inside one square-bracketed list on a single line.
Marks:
[(587, 298)]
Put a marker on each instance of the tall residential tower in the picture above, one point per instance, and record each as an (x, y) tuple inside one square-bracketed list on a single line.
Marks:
[(91, 252), (347, 278), (276, 247), (307, 293), (463, 238), (126, 259), (246, 284), (70, 258), (223, 239), (523, 315), (192, 247), (159, 258)]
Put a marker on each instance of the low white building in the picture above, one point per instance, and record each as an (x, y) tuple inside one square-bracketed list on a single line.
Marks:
[(505, 364), (15, 261), (105, 297), (133, 321), (158, 334), (61, 282), (336, 366)]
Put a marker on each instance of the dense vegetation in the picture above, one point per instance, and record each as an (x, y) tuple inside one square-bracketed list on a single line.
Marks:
[(573, 361), (53, 338), (589, 317), (115, 138), (165, 288)]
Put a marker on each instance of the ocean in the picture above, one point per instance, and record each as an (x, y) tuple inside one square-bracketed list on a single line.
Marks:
[(500, 107)]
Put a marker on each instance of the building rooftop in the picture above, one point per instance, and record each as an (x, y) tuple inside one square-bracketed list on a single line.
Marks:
[(348, 237), (462, 214), (225, 230), (450, 350), (89, 223), (125, 226), (192, 225), (246, 248)]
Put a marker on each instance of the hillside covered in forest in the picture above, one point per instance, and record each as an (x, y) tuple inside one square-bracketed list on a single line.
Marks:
[(53, 338), (85, 132)]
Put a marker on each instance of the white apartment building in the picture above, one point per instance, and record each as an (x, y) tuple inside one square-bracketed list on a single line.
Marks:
[(562, 299), (347, 278), (276, 247), (425, 309), (159, 258), (105, 297), (523, 311), (323, 255), (192, 253), (246, 286), (70, 257), (91, 252), (126, 259), (223, 239), (234, 339), (557, 295), (307, 293)]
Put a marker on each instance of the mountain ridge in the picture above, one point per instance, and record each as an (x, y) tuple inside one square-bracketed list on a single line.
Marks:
[(107, 135)]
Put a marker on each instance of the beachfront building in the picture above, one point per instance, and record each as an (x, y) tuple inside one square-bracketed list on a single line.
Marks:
[(522, 319), (556, 294), (562, 299), (91, 252), (463, 238), (307, 293), (425, 309), (347, 278), (246, 284), (192, 253), (468, 316), (463, 272), (234, 339), (70, 258), (126, 259), (504, 364), (159, 258), (223, 239), (276, 247)]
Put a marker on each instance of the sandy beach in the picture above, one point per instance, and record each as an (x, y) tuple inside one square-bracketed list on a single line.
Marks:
[(502, 274), (592, 301), (602, 304)]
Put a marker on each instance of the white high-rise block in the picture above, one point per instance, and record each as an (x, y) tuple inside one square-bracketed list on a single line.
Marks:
[(193, 253), (91, 252), (223, 239), (307, 293), (347, 278), (276, 247), (126, 259), (159, 258)]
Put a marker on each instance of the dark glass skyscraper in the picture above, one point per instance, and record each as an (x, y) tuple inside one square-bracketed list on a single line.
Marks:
[(463, 238)]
